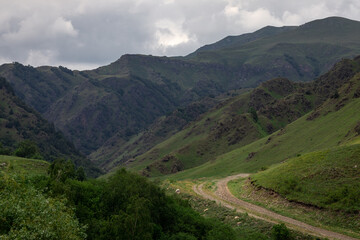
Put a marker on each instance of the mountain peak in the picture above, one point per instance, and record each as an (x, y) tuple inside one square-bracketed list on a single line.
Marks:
[(333, 22)]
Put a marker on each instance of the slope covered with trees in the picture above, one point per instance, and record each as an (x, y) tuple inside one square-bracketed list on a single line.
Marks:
[(25, 133)]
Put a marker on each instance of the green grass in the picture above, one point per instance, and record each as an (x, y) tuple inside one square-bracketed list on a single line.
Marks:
[(299, 137), (246, 227), (23, 166), (336, 221), (328, 178)]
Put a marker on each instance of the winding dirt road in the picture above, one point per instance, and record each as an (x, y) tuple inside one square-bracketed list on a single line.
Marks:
[(225, 198)]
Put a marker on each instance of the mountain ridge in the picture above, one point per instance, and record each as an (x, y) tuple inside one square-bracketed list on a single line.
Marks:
[(125, 97)]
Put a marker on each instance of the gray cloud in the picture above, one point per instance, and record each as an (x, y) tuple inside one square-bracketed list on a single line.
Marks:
[(89, 33)]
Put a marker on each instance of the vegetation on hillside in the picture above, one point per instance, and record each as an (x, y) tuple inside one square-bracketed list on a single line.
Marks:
[(59, 205), (327, 179), (242, 120), (24, 133), (116, 102)]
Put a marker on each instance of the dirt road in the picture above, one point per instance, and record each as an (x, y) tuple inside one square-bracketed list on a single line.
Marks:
[(225, 198)]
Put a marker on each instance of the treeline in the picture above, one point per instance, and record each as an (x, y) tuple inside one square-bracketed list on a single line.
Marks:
[(63, 205), (25, 149)]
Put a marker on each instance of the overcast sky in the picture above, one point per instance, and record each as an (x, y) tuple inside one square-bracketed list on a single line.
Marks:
[(84, 34)]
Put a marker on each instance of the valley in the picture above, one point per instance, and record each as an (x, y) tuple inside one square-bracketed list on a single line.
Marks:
[(255, 136)]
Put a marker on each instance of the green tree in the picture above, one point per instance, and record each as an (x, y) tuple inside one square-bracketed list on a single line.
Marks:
[(28, 149), (280, 232), (80, 174), (27, 214), (4, 151), (253, 113), (61, 169)]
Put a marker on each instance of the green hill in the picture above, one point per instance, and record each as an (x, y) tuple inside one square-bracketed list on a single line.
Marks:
[(244, 119), (299, 137), (327, 178), (243, 39), (19, 123), (117, 102), (23, 166)]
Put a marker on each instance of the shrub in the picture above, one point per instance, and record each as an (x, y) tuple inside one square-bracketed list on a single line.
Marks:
[(27, 214), (28, 149), (280, 232)]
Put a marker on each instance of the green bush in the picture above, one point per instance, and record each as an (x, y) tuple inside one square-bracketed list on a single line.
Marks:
[(280, 232), (28, 149), (27, 214), (128, 206)]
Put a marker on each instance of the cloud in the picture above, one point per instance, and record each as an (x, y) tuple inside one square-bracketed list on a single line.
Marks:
[(170, 34), (40, 57), (88, 33)]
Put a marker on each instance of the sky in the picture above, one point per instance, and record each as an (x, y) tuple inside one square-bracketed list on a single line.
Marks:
[(85, 34)]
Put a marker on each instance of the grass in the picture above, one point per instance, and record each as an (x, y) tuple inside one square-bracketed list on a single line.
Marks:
[(301, 136), (336, 221), (23, 166), (328, 179), (246, 227)]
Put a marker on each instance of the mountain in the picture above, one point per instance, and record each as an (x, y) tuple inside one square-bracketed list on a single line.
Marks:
[(243, 39), (20, 122), (117, 102), (116, 150), (298, 53), (250, 118)]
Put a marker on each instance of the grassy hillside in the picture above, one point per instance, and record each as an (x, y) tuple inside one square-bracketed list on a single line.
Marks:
[(333, 123), (243, 39), (327, 178), (249, 117), (23, 166), (299, 137)]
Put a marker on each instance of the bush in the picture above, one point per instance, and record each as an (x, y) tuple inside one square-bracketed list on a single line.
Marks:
[(253, 113), (27, 214), (280, 232), (4, 151), (28, 149), (128, 206)]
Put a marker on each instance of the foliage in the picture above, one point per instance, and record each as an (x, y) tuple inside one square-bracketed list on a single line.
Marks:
[(127, 206), (27, 214), (4, 150), (253, 113), (61, 170), (28, 149), (281, 232)]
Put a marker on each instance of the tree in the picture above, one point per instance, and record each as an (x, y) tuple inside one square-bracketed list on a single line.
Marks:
[(27, 214), (80, 174), (28, 149), (280, 232), (62, 169), (4, 151), (253, 113)]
